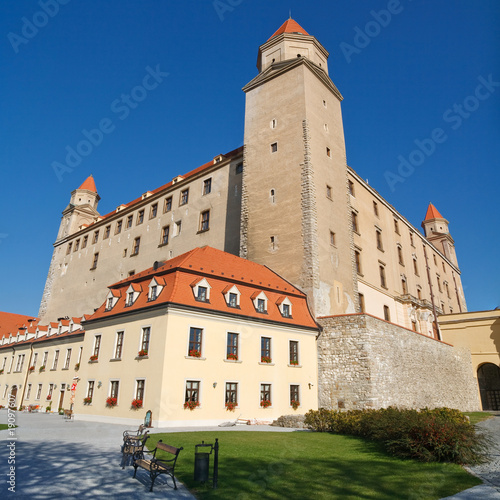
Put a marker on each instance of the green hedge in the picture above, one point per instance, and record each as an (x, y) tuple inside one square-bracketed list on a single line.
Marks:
[(438, 435)]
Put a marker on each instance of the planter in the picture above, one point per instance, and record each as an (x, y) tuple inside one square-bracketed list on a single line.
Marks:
[(294, 404), (87, 401), (194, 353), (137, 404), (111, 402), (142, 353), (265, 403), (191, 405), (265, 359), (232, 357), (231, 406), (93, 358)]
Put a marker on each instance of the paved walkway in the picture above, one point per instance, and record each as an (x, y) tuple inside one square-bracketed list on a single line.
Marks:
[(55, 458)]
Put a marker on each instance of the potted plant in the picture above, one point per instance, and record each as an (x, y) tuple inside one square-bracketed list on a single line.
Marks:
[(111, 402), (42, 368), (31, 369), (1, 371), (77, 366), (48, 409), (265, 403), (294, 404), (294, 362), (265, 359), (87, 401), (49, 397), (232, 356), (61, 411), (191, 405), (93, 357), (194, 353), (137, 403), (230, 406), (142, 353)]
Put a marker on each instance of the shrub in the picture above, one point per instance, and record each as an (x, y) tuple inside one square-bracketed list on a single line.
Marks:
[(438, 435)]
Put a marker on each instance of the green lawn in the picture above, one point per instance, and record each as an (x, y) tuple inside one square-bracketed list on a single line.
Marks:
[(306, 465), (3, 427), (478, 416)]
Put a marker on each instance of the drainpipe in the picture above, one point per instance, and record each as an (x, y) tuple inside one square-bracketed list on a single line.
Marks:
[(26, 376), (432, 294)]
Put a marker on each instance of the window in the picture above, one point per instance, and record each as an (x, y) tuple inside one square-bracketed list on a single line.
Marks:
[(415, 266), (328, 192), (354, 217), (107, 231), (130, 299), (351, 188), (192, 391), (28, 391), (413, 325), (35, 357), (140, 217), (207, 186), (404, 287), (194, 347), (233, 300), (328, 152), (286, 312), (145, 337), (51, 390), (135, 247), (118, 228), (130, 218), (97, 346), (239, 168), (68, 359), (419, 293), (274, 147), (265, 350), (84, 242), (115, 385), (68, 250), (119, 345), (274, 122), (265, 394), (110, 304), (154, 211), (361, 299), (90, 389), (294, 395), (205, 220), (77, 245), (434, 257), (294, 352), (202, 294), (444, 268), (375, 208), (96, 237), (231, 393), (396, 226), (439, 283), (447, 289), (168, 204), (272, 196), (357, 257), (387, 314), (232, 346), (383, 282), (139, 389), (411, 240), (20, 362), (56, 359), (45, 358), (261, 305), (378, 235), (153, 292), (39, 391), (177, 227), (94, 261), (184, 196), (332, 238), (164, 235), (400, 255)]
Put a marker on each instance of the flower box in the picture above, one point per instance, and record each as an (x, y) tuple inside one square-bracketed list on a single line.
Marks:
[(93, 357), (265, 403), (31, 369), (1, 372), (137, 403), (142, 353), (191, 405), (294, 404), (41, 369), (231, 406), (265, 359), (233, 357), (194, 353), (294, 362), (49, 397), (77, 366), (87, 401), (111, 402)]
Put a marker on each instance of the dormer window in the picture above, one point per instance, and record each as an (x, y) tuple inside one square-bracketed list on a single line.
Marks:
[(202, 294), (285, 307), (286, 311), (201, 290), (261, 305), (232, 296), (233, 300), (110, 304), (155, 288), (260, 302), (111, 300), (152, 295)]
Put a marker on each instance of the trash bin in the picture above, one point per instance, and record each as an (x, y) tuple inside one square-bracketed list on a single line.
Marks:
[(201, 466)]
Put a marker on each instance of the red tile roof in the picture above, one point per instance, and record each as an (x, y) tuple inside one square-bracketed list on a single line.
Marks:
[(89, 184), (432, 213), (220, 269), (290, 26), (10, 323)]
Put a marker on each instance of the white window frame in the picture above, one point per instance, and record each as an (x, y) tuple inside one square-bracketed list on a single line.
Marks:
[(204, 284), (233, 290)]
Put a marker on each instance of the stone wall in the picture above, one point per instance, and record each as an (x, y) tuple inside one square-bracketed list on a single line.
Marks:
[(365, 362)]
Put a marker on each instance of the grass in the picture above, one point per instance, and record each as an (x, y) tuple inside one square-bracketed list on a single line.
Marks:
[(478, 416), (4, 427), (274, 465)]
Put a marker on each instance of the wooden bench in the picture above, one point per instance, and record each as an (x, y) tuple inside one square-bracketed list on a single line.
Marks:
[(157, 466), (133, 447)]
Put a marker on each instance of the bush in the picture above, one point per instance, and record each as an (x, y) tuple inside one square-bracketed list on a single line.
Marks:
[(438, 435)]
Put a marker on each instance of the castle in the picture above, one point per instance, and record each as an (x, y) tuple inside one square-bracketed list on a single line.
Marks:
[(285, 207)]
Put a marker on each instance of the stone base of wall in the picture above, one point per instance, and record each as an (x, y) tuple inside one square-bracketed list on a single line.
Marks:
[(365, 362)]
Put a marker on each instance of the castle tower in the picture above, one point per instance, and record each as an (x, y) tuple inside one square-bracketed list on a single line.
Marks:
[(436, 231), (295, 203)]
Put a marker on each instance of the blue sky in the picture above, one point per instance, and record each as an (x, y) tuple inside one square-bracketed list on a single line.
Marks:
[(409, 72)]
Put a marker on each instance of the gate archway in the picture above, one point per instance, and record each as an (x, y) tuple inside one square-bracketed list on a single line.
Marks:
[(488, 377)]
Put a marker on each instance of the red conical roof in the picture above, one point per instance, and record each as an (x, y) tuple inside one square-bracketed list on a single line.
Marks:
[(290, 26), (432, 213), (89, 184)]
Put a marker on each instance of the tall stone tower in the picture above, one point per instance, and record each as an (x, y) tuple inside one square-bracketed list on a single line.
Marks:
[(296, 215), (436, 231)]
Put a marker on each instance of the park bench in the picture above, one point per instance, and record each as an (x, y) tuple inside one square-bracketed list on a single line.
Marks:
[(156, 466), (133, 447)]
